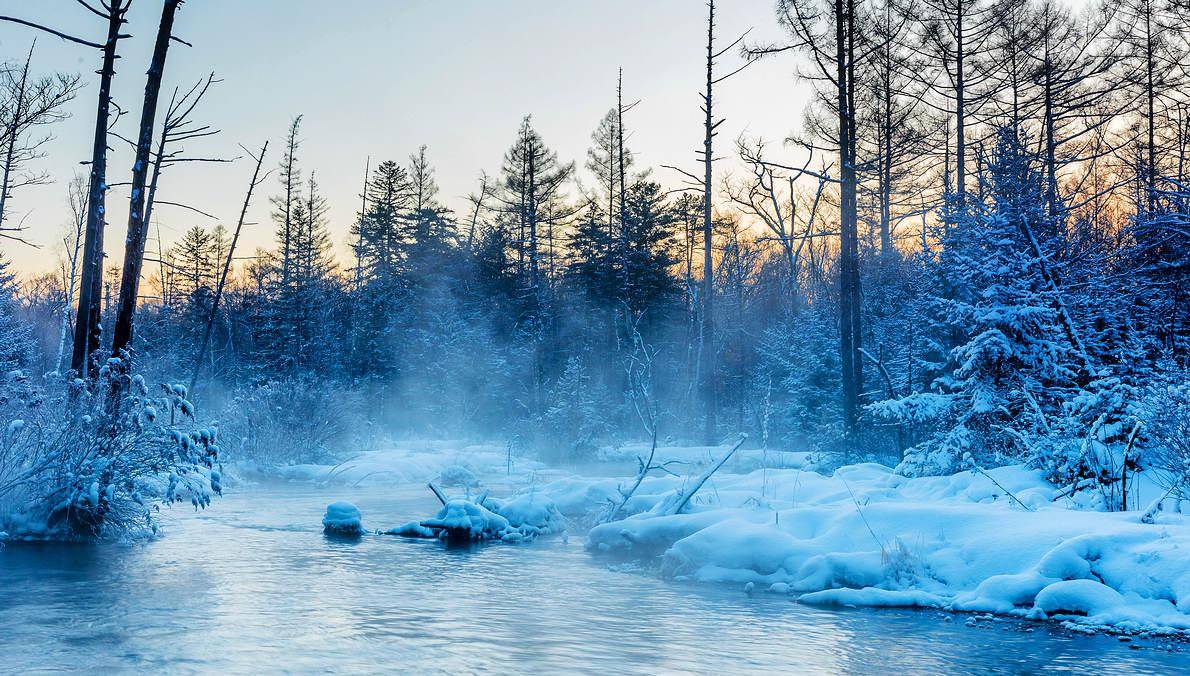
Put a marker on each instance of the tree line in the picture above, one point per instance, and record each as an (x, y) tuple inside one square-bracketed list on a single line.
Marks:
[(972, 250)]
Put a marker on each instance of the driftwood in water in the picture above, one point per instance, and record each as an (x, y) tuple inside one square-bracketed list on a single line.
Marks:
[(437, 493)]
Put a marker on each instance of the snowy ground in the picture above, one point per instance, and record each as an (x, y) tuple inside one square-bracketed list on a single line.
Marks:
[(863, 536)]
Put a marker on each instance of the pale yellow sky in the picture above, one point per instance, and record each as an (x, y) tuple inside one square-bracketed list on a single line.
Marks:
[(381, 78)]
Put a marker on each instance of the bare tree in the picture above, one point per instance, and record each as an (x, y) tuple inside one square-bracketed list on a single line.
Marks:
[(27, 104), (770, 195), (72, 243), (134, 243), (86, 334), (956, 36), (257, 179), (486, 191), (706, 325)]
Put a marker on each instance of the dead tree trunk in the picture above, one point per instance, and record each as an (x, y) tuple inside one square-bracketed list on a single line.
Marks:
[(86, 332), (11, 134), (849, 307), (206, 337), (707, 329), (134, 244)]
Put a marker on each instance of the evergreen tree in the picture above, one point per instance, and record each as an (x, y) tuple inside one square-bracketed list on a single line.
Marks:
[(16, 338), (1013, 367)]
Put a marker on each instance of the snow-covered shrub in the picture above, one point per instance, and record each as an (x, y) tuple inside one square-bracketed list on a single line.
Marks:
[(1092, 442), (458, 475), (291, 422), (99, 461), (1167, 429)]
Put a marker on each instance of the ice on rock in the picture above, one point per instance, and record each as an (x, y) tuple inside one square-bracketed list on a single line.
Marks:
[(342, 518)]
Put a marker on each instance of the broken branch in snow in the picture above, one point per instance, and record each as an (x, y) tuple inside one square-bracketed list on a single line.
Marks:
[(1150, 515), (979, 470), (685, 499)]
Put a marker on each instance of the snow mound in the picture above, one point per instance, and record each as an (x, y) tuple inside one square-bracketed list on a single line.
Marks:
[(458, 475), (1081, 597), (995, 542), (530, 513), (342, 518)]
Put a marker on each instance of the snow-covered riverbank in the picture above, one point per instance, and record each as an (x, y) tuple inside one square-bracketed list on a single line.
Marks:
[(868, 537)]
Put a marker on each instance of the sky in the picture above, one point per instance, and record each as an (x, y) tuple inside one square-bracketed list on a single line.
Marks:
[(378, 78)]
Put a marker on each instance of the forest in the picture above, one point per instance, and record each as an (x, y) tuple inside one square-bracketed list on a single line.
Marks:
[(977, 256)]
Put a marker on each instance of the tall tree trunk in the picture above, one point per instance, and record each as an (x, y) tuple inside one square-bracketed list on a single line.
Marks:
[(707, 331), (625, 272), (1151, 113), (87, 332), (960, 154), (138, 224), (886, 243), (849, 344)]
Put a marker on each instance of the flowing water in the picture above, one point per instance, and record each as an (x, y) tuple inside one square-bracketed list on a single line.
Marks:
[(253, 586)]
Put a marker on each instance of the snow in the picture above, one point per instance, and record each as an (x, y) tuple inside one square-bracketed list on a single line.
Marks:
[(866, 536), (1001, 541), (522, 518), (530, 512), (465, 516), (342, 518)]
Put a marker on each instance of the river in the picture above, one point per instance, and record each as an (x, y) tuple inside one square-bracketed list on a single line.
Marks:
[(251, 585)]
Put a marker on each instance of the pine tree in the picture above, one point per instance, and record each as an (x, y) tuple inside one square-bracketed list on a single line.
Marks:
[(531, 177), (648, 250), (1013, 365), (16, 338)]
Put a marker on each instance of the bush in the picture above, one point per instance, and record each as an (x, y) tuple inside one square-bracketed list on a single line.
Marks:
[(79, 462), (1167, 426), (292, 422)]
